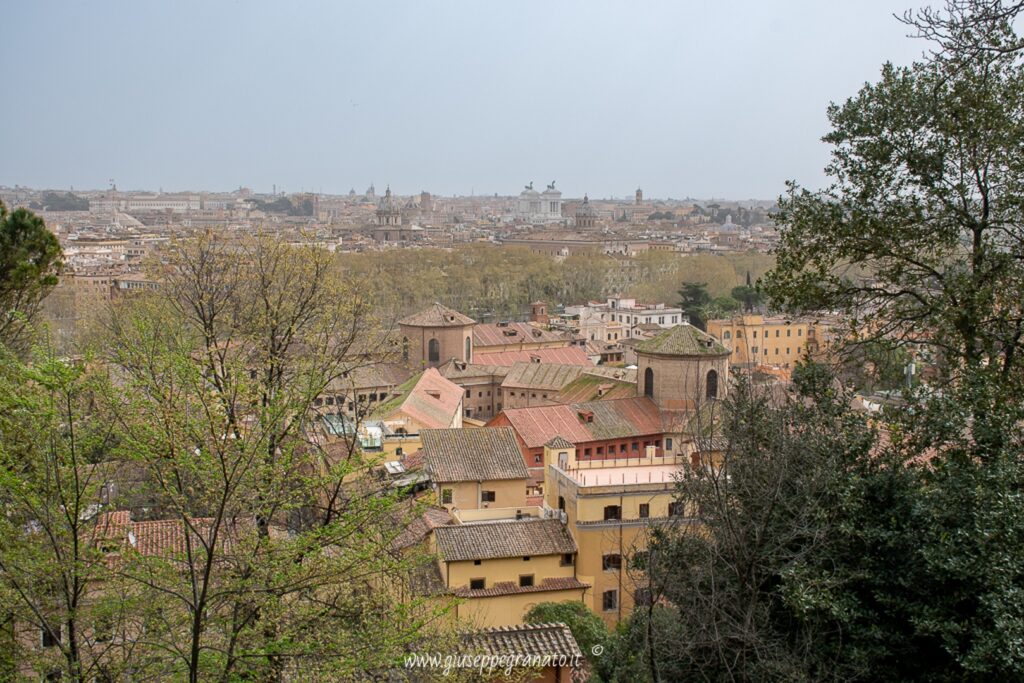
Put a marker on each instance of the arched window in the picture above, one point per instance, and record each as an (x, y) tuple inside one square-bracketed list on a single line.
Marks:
[(649, 383), (711, 386), (727, 335), (469, 349), (434, 351)]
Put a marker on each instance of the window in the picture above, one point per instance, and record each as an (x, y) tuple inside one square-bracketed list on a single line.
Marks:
[(469, 349), (755, 334), (727, 335), (477, 584), (477, 563), (446, 496), (469, 412), (776, 333), (753, 350), (636, 446), (611, 563), (487, 496), (50, 639), (789, 333), (561, 503), (610, 600), (649, 383), (668, 444), (567, 560), (600, 450), (469, 393), (525, 580), (675, 509), (645, 510), (526, 558), (586, 452), (640, 559), (612, 512), (622, 448), (433, 351), (538, 459), (800, 333), (711, 386)]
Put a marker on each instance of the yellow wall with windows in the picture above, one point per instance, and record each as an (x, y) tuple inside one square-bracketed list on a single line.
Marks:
[(465, 495), (773, 341), (509, 610), (506, 569)]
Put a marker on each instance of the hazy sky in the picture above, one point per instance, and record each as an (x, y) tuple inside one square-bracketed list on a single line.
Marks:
[(682, 98)]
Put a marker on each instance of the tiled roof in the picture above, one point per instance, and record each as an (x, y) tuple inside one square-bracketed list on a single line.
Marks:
[(682, 340), (371, 377), (550, 376), (419, 528), (563, 583), (503, 539), (558, 442), (615, 419), (555, 640), (569, 355), (455, 369), (503, 334), (432, 401), (437, 315), (588, 387), (473, 454)]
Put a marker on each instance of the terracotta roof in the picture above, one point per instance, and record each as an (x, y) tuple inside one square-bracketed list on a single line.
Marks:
[(503, 539), (433, 401), (555, 640), (473, 454), (437, 315), (558, 442), (502, 334), (588, 387), (568, 355), (550, 376), (615, 419), (564, 583), (371, 377), (419, 528), (455, 369), (682, 340)]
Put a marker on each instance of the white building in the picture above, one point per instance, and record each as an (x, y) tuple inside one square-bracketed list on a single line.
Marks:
[(539, 207), (622, 317)]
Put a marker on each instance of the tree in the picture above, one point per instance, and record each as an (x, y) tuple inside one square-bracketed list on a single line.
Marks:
[(693, 298), (30, 261), (55, 582), (285, 558), (587, 628), (748, 296)]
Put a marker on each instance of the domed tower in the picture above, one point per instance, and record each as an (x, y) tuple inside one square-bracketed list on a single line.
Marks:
[(435, 335), (388, 211), (682, 368), (586, 216)]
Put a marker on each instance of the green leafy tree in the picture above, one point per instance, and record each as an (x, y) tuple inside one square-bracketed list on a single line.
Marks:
[(749, 297), (587, 628), (693, 299), (30, 261)]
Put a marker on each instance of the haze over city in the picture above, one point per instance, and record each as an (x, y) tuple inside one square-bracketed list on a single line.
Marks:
[(684, 98)]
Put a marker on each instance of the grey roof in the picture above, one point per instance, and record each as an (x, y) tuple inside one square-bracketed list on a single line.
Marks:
[(437, 315), (682, 340), (559, 442), (473, 454), (503, 539), (526, 639)]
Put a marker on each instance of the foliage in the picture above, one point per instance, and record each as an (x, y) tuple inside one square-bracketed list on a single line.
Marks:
[(30, 261), (748, 296), (587, 628), (68, 201), (693, 300)]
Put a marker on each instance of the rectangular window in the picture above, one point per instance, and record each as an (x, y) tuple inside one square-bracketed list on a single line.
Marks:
[(636, 446), (50, 639), (567, 560), (776, 333), (446, 496), (645, 510), (612, 512), (610, 600), (675, 509), (586, 452), (525, 580), (611, 562), (668, 444), (487, 496), (622, 448), (477, 584), (477, 563), (538, 459), (600, 450)]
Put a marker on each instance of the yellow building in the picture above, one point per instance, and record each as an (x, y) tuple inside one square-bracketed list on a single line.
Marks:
[(609, 507), (474, 469), (502, 567), (758, 340)]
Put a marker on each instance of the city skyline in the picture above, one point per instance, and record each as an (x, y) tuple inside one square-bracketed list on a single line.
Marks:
[(682, 100)]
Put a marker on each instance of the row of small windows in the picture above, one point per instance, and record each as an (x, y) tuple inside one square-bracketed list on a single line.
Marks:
[(789, 333)]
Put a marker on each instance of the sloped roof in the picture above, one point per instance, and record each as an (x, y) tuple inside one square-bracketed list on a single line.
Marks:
[(454, 369), (555, 640), (682, 340), (588, 387), (432, 401), (550, 376), (437, 315), (614, 419), (420, 527), (503, 539), (502, 334), (568, 355), (473, 454), (558, 583)]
